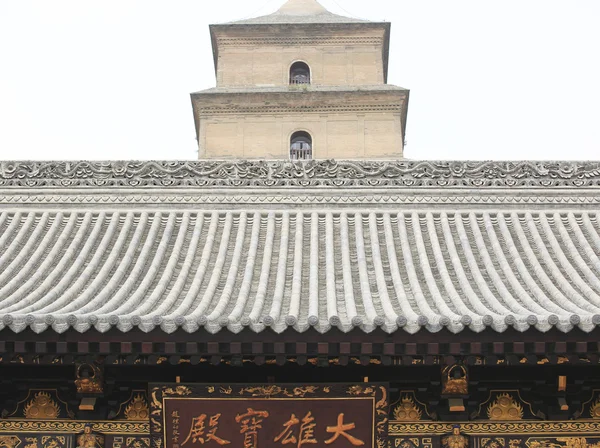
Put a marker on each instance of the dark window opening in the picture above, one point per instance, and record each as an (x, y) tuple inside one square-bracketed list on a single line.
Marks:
[(299, 73), (301, 146)]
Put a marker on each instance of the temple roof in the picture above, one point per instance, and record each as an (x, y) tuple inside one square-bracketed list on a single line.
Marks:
[(299, 11), (274, 268), (228, 245)]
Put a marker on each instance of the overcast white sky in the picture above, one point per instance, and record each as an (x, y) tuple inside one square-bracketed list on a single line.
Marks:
[(110, 79)]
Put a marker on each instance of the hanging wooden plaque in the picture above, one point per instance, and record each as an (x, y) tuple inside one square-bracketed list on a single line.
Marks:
[(269, 415)]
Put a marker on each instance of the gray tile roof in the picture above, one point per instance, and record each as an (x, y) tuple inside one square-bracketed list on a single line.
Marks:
[(94, 267)]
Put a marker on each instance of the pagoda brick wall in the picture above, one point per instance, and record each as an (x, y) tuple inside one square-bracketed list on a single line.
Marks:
[(336, 57), (348, 135)]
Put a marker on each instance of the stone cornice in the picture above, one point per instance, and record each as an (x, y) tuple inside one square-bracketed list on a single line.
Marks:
[(404, 174), (298, 41), (313, 109), (315, 199)]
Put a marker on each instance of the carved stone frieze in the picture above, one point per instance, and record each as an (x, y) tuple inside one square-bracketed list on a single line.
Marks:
[(297, 41), (316, 173), (318, 109), (237, 198)]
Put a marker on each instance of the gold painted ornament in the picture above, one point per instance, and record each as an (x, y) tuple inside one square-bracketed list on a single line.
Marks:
[(137, 409), (452, 384), (505, 408), (407, 410), (42, 406), (9, 441), (595, 409)]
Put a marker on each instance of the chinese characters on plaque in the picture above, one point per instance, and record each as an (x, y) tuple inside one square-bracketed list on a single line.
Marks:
[(281, 416)]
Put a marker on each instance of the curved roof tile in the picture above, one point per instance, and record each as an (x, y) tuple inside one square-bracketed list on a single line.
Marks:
[(301, 269)]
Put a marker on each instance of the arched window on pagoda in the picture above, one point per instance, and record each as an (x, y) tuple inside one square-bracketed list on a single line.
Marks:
[(301, 146), (299, 73)]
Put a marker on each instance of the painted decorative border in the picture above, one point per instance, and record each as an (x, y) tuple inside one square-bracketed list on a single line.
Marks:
[(316, 173), (394, 428), (524, 427), (72, 426)]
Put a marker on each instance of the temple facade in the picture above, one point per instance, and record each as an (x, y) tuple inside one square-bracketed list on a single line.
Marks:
[(269, 295)]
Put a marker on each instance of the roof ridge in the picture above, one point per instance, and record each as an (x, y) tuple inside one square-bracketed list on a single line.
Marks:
[(315, 173)]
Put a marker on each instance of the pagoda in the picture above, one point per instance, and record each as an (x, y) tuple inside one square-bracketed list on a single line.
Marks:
[(301, 83)]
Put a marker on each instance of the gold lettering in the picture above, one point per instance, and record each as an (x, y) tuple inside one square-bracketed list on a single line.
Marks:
[(198, 433), (251, 423), (287, 436), (306, 432), (340, 430)]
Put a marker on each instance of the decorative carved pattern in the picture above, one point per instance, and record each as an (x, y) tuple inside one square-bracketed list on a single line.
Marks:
[(273, 390), (386, 107), (563, 442), (137, 442), (315, 173), (32, 442), (381, 409), (364, 197), (360, 390), (506, 405), (505, 408), (493, 442), (298, 41), (88, 439), (42, 406), (180, 391), (595, 409), (486, 427), (73, 427), (89, 384), (9, 441), (407, 410), (452, 385), (411, 442), (456, 439), (54, 441), (137, 409)]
